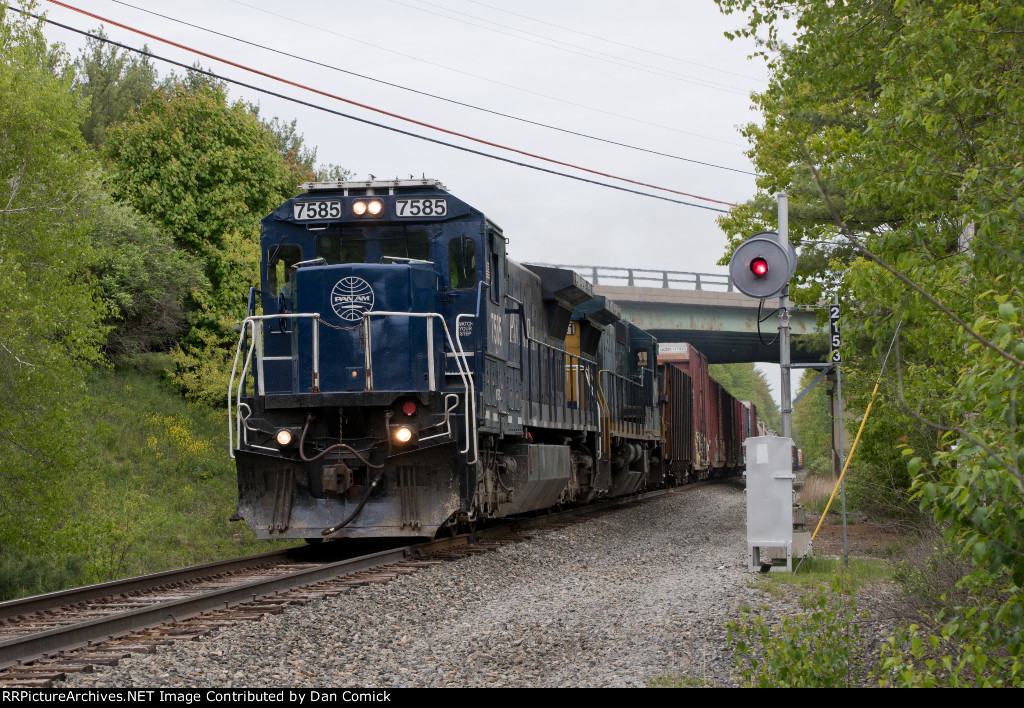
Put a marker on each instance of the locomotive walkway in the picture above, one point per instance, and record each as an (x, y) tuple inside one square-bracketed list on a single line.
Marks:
[(705, 310)]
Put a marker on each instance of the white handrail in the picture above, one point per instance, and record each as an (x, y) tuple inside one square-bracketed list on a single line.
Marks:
[(250, 323), (464, 373)]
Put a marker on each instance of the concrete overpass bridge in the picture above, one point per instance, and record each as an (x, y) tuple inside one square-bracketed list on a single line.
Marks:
[(705, 310)]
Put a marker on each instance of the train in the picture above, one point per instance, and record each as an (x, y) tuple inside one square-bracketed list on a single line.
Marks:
[(398, 375)]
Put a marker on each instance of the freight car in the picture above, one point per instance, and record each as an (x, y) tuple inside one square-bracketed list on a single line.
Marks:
[(398, 375), (704, 426)]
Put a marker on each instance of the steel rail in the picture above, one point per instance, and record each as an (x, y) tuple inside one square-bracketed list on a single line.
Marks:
[(33, 646), (64, 598), (30, 647)]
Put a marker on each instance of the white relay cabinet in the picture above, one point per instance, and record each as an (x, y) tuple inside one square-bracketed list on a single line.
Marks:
[(770, 502)]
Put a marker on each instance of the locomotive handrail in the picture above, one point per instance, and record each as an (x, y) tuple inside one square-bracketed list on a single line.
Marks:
[(604, 399), (605, 415), (526, 338), (583, 361), (472, 387), (255, 345), (459, 361), (597, 402)]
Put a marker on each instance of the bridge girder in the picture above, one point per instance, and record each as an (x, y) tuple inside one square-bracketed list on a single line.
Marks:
[(722, 325)]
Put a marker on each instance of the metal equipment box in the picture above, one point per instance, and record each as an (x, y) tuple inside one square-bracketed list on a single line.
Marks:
[(770, 500)]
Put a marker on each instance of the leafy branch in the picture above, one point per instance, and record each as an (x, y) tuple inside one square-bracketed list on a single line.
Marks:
[(845, 231)]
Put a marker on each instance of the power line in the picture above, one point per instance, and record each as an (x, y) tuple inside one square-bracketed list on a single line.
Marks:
[(431, 95), (484, 78), (382, 111), (365, 121), (612, 41), (588, 53)]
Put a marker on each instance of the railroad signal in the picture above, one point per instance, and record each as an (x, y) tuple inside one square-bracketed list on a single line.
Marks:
[(762, 265)]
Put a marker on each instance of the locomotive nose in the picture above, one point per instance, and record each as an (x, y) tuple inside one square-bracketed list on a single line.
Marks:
[(352, 337)]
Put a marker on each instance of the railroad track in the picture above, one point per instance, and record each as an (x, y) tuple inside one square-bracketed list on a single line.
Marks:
[(44, 638)]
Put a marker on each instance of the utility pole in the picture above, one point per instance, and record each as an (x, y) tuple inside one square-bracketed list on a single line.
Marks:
[(784, 355)]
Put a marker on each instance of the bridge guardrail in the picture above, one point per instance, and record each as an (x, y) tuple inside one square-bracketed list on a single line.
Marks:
[(651, 278)]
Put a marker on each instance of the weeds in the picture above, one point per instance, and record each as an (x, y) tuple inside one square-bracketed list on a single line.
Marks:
[(154, 490), (820, 647)]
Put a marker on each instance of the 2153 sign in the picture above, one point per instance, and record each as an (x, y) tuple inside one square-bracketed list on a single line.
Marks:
[(835, 338)]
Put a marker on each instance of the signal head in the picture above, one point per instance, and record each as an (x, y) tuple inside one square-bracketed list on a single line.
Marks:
[(762, 265)]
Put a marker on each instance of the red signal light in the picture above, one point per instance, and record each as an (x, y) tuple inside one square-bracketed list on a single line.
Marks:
[(409, 407), (759, 267)]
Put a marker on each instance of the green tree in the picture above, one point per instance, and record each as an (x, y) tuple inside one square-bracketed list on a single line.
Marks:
[(205, 171), (812, 425), (116, 82), (903, 115), (149, 283), (746, 383), (50, 316)]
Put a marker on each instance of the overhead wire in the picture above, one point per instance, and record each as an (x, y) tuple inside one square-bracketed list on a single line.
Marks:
[(382, 111), (633, 119), (620, 44), (588, 53), (358, 119), (313, 62)]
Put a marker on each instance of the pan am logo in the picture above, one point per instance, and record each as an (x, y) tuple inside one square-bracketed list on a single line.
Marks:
[(351, 297)]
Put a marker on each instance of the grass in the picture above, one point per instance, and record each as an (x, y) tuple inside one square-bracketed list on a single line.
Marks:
[(679, 681), (153, 490), (816, 573), (815, 492)]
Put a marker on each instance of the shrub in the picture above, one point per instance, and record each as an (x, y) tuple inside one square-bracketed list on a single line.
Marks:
[(821, 647)]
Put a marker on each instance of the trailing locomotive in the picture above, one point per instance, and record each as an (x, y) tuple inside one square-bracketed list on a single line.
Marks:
[(405, 377)]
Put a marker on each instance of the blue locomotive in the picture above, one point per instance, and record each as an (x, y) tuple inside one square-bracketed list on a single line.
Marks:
[(399, 375)]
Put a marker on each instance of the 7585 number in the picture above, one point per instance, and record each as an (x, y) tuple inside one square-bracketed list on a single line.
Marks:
[(409, 208), (307, 211)]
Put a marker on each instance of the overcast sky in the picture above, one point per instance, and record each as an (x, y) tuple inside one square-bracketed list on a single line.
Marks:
[(656, 74)]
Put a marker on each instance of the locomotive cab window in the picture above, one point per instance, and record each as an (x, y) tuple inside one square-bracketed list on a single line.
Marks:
[(497, 259), (405, 243), (336, 248), (280, 260), (462, 262)]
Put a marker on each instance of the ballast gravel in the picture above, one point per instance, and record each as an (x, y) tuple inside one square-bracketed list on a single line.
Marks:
[(618, 599)]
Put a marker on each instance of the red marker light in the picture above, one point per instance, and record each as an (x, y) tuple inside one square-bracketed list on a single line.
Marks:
[(759, 267), (409, 407)]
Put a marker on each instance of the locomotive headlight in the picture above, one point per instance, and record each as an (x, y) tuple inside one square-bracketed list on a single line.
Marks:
[(283, 438), (403, 434), (373, 207)]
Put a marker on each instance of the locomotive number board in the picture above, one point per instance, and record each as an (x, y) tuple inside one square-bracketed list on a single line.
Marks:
[(416, 208), (308, 211)]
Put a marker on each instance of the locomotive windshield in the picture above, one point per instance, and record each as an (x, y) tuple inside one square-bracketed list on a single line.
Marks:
[(370, 245), (334, 249), (406, 242)]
